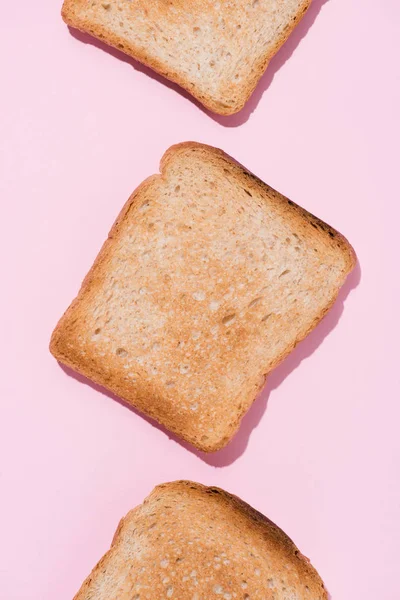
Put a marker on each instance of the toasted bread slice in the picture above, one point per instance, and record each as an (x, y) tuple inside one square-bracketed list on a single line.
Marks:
[(208, 279), (191, 542), (217, 51)]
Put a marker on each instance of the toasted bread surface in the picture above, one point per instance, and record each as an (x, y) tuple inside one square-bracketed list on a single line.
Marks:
[(217, 51), (208, 279), (192, 542)]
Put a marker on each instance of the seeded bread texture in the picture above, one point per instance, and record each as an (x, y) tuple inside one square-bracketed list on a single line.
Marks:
[(191, 542), (217, 51), (208, 279)]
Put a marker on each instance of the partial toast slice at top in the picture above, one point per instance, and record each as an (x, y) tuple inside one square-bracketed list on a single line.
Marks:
[(190, 542), (217, 51), (208, 279)]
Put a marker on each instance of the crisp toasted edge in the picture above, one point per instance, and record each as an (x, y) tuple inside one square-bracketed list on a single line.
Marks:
[(253, 515), (56, 343), (215, 105)]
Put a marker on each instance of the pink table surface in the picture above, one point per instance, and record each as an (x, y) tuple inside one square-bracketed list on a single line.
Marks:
[(81, 126)]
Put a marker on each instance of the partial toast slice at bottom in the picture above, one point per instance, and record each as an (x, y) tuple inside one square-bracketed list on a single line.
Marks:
[(208, 279), (191, 542)]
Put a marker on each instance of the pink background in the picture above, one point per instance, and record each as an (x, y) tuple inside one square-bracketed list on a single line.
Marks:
[(318, 453)]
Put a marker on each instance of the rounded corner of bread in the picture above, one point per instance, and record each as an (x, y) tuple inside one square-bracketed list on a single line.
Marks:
[(185, 149), (211, 447), (347, 252), (201, 444), (54, 343), (171, 153), (226, 105), (227, 110), (352, 258), (61, 345), (177, 486)]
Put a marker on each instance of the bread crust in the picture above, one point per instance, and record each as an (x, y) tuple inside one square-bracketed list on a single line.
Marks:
[(149, 395), (249, 555), (230, 99)]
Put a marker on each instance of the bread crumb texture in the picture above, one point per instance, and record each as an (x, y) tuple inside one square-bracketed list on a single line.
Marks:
[(208, 279), (217, 51), (191, 542)]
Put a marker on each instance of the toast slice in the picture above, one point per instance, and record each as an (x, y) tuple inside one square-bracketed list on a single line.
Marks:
[(191, 542), (208, 279), (217, 51)]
